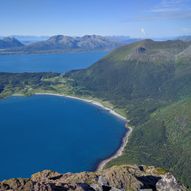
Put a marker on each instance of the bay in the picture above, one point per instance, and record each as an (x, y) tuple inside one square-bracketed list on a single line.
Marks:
[(58, 133)]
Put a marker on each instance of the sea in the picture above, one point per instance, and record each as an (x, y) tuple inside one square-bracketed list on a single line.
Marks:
[(60, 63), (52, 132)]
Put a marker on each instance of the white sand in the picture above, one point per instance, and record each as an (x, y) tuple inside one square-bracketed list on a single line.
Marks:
[(86, 100)]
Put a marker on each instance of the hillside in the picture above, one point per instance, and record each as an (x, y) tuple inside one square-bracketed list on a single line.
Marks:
[(138, 71), (152, 82), (24, 83), (61, 43), (129, 178), (163, 140), (10, 42)]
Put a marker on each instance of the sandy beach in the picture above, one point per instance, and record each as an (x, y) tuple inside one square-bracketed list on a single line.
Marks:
[(88, 101), (119, 152)]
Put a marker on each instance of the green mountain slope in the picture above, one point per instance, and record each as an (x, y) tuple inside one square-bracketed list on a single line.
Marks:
[(165, 140), (134, 71), (152, 82)]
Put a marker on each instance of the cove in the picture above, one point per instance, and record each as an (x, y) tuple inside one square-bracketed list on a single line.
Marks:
[(57, 133), (49, 62)]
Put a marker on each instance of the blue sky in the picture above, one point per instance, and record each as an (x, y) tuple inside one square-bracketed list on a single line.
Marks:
[(137, 18)]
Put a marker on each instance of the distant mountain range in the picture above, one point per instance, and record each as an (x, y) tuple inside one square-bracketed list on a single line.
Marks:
[(61, 43), (185, 38), (10, 42), (28, 39)]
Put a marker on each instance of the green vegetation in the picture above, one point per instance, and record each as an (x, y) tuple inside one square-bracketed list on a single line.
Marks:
[(150, 83), (163, 140), (24, 83), (30, 83)]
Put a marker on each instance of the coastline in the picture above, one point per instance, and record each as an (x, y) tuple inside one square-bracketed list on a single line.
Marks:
[(87, 101), (119, 152), (125, 139)]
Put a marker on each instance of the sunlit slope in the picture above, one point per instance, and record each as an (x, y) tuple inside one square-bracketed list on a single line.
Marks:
[(152, 82), (137, 71), (163, 140)]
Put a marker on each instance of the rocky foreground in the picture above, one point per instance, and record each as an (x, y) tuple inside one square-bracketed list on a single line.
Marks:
[(126, 178)]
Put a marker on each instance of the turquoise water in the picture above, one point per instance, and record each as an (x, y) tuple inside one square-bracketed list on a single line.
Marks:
[(49, 62), (57, 133)]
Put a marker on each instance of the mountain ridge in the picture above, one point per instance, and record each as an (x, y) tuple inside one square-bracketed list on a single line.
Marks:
[(10, 42), (62, 43), (143, 78)]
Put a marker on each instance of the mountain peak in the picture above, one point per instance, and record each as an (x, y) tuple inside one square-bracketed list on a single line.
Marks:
[(92, 36), (148, 40), (58, 38), (62, 43), (9, 38), (10, 42)]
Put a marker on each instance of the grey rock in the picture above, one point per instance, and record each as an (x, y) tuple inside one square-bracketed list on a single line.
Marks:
[(169, 183), (117, 178)]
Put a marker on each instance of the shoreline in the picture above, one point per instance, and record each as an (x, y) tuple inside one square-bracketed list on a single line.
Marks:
[(119, 152), (125, 139), (87, 101)]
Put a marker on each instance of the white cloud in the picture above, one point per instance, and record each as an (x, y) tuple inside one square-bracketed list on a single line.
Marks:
[(143, 31), (171, 9), (168, 10), (169, 5)]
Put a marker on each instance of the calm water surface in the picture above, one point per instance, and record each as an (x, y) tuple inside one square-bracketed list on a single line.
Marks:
[(51, 132), (49, 62)]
